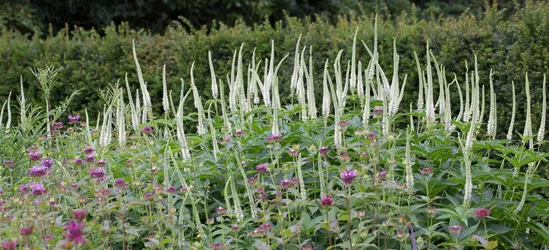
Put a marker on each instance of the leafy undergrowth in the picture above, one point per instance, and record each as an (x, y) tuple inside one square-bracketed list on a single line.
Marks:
[(256, 174)]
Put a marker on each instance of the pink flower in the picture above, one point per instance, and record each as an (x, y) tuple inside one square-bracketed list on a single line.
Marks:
[(147, 130), (221, 210), (293, 152), (120, 183), (377, 111), (262, 168), (455, 229), (371, 136), (426, 171), (285, 184), (90, 158), (47, 162), (381, 175), (273, 138), (101, 163), (239, 132), (148, 196), (88, 150), (26, 230), (74, 232), (482, 213), (9, 163), (35, 155), (37, 189), (97, 173), (171, 189), (38, 171), (58, 125), (344, 157), (324, 150), (327, 201), (9, 245), (74, 118), (79, 214), (78, 162), (343, 123), (348, 176)]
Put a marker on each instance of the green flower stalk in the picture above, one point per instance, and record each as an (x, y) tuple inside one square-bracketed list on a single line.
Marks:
[(366, 109), (8, 122), (513, 113)]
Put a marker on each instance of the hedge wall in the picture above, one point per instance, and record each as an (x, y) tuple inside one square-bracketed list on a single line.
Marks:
[(511, 47)]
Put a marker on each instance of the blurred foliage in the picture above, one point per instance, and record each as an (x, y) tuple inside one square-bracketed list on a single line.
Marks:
[(33, 16)]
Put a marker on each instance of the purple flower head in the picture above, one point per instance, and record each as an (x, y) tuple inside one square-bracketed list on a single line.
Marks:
[(35, 155), (343, 123), (79, 214), (426, 171), (120, 183), (371, 136), (344, 157), (220, 210), (9, 245), (26, 230), (482, 213), (90, 157), (217, 245), (9, 163), (293, 152), (58, 125), (148, 196), (273, 138), (97, 173), (101, 163), (348, 176), (252, 180), (377, 111), (455, 229), (171, 189), (306, 247), (37, 189), (24, 188), (147, 130), (324, 150), (74, 118), (75, 232), (38, 171), (262, 168), (327, 201), (78, 162), (47, 162), (239, 132), (285, 184), (88, 150), (381, 175)]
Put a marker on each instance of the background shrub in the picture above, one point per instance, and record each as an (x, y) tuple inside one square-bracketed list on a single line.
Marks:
[(512, 47)]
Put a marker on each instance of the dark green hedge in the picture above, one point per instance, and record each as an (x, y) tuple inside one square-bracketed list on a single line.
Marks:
[(511, 47)]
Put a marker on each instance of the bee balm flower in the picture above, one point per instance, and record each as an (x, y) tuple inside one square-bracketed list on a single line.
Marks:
[(348, 176), (482, 213)]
